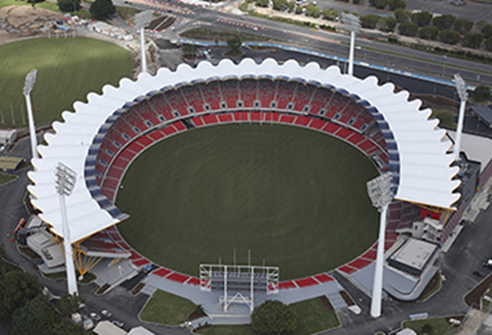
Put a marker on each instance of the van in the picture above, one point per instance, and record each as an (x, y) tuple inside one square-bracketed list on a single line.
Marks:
[(488, 264)]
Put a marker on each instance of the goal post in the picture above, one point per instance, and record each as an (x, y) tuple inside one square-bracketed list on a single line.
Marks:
[(239, 283)]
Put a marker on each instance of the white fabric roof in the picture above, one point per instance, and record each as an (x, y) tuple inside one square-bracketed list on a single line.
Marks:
[(425, 172)]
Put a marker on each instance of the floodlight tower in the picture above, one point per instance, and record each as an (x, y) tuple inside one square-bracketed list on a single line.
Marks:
[(65, 183), (141, 20), (352, 24), (461, 88), (29, 83), (381, 194)]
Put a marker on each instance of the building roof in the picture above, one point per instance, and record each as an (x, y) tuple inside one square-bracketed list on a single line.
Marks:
[(414, 253), (140, 331), (424, 174), (484, 112), (107, 328), (476, 148), (10, 163)]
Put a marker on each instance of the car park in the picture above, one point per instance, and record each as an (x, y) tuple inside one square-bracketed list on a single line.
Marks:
[(478, 274), (94, 316)]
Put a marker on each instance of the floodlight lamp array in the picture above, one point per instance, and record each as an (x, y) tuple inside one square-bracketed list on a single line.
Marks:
[(460, 87), (379, 190), (65, 179), (351, 22), (29, 83)]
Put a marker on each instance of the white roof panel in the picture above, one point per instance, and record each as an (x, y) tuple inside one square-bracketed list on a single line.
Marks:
[(425, 174)]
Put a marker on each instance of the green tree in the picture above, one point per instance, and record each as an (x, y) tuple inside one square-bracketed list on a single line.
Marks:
[(481, 93), (408, 29), (387, 24), (449, 36), (68, 5), (488, 43), (234, 43), (189, 50), (463, 26), (487, 31), (330, 14), (298, 9), (427, 328), (473, 40), (273, 317), (402, 15), (422, 19), (102, 9), (369, 21), (312, 10), (38, 317), (16, 289), (379, 4), (279, 4), (397, 4), (292, 5), (428, 33), (68, 304), (262, 3), (443, 22)]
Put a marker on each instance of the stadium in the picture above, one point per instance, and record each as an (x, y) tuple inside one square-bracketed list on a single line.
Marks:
[(113, 143)]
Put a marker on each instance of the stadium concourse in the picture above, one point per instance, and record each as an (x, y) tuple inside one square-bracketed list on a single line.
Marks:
[(102, 138)]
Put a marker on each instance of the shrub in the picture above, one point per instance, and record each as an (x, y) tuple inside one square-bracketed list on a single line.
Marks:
[(408, 29), (487, 31), (387, 24), (379, 4), (488, 43), (444, 22), (449, 36), (428, 33), (397, 4), (369, 21), (402, 15), (463, 26), (422, 18), (473, 40), (481, 93)]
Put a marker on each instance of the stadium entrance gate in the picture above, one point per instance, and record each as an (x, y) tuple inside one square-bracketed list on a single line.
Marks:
[(239, 283)]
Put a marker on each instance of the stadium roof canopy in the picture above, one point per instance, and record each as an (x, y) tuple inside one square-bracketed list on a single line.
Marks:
[(425, 172)]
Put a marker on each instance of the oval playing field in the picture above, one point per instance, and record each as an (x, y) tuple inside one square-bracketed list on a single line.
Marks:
[(296, 198)]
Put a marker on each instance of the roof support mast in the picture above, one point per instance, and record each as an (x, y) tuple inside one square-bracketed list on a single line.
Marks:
[(30, 80)]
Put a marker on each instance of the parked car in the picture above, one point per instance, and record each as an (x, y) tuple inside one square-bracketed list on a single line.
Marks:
[(106, 313), (94, 316), (488, 264), (118, 323), (478, 274)]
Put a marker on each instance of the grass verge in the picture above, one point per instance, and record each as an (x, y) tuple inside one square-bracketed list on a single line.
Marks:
[(167, 308), (437, 326), (45, 5), (210, 34), (6, 177), (88, 277)]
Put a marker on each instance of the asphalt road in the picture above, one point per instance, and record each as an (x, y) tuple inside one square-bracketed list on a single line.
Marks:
[(375, 52)]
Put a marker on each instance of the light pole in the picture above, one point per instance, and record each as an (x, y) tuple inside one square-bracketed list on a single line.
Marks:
[(29, 83), (65, 183), (381, 195), (141, 20), (461, 88), (352, 24)]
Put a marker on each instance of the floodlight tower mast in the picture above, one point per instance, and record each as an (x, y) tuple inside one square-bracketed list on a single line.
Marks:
[(352, 24), (65, 183), (28, 85), (141, 20), (461, 88), (381, 194)]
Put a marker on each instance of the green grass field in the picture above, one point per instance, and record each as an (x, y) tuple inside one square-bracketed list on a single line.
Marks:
[(68, 69), (294, 197), (167, 308)]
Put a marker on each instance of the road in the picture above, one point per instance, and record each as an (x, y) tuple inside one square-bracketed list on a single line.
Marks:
[(336, 44)]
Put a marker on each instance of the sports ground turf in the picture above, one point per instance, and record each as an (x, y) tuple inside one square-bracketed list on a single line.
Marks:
[(68, 69), (295, 197)]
